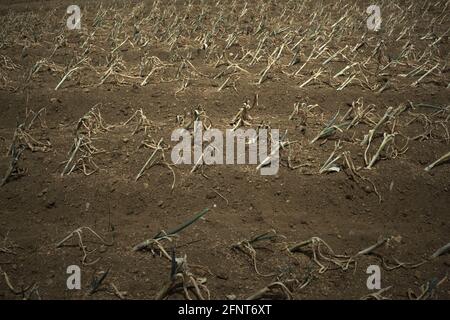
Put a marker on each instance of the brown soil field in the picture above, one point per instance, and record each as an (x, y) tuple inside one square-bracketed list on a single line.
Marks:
[(361, 113)]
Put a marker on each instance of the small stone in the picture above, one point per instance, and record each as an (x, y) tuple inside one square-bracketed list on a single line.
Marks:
[(367, 189), (211, 195), (50, 204), (302, 129), (42, 193), (222, 276)]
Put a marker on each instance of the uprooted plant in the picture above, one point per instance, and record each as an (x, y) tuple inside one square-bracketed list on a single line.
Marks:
[(78, 232), (324, 256), (82, 152), (242, 117), (154, 244), (183, 280), (154, 160), (247, 247)]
